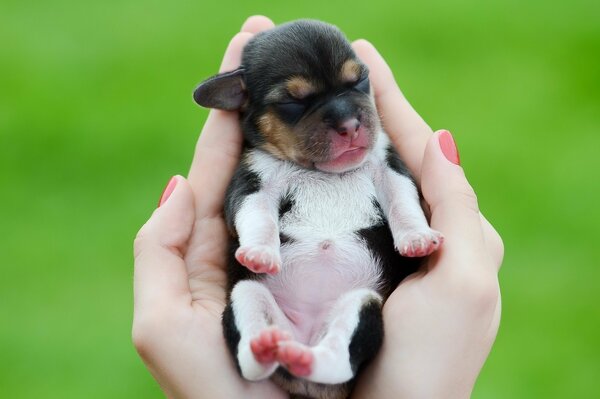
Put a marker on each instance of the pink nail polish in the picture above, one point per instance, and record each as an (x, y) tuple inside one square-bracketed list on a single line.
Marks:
[(167, 191), (448, 147)]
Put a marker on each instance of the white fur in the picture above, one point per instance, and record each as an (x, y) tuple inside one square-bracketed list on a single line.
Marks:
[(326, 270), (331, 354), (254, 308), (256, 220), (399, 201)]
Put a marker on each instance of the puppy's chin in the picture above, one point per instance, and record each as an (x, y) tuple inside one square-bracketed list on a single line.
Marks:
[(344, 162), (346, 151)]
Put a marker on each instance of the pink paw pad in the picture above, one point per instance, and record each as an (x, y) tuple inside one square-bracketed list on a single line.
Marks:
[(265, 346), (418, 244), (296, 358), (259, 259)]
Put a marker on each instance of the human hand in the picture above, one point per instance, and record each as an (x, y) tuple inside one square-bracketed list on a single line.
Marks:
[(180, 257), (441, 322)]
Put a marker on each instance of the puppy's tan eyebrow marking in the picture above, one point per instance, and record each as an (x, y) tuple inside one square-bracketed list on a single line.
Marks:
[(300, 87), (350, 71)]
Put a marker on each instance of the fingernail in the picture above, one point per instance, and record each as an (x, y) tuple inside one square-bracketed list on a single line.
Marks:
[(167, 191), (448, 147)]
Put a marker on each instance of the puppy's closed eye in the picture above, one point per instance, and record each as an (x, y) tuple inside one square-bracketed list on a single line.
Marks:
[(363, 85), (291, 110)]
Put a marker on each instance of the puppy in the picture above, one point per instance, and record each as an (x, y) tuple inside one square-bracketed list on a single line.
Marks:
[(324, 217)]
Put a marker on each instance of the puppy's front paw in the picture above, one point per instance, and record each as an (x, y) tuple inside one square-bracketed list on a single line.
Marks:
[(259, 259), (419, 243)]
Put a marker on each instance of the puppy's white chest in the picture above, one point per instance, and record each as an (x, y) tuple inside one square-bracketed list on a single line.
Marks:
[(329, 207), (323, 255)]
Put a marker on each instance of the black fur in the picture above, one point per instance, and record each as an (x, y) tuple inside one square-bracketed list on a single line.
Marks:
[(285, 204), (235, 271), (395, 163), (231, 333), (285, 239), (322, 52), (306, 49), (368, 336), (223, 91), (323, 47), (243, 183), (302, 389), (380, 242), (339, 110)]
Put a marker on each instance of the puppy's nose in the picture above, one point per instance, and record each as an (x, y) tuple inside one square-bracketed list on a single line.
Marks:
[(348, 128)]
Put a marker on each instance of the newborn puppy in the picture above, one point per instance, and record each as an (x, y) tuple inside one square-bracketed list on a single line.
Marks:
[(324, 217)]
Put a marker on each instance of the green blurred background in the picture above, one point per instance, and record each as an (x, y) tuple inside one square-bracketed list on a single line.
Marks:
[(96, 115)]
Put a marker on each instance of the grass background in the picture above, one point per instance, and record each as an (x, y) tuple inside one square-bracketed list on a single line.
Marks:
[(96, 115)]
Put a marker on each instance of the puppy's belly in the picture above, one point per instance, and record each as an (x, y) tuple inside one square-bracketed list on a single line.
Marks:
[(314, 274)]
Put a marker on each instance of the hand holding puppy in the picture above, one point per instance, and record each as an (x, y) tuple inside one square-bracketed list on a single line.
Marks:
[(180, 278), (440, 323), (319, 184)]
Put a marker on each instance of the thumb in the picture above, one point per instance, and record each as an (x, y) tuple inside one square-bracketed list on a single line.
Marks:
[(160, 273), (453, 203), (171, 223)]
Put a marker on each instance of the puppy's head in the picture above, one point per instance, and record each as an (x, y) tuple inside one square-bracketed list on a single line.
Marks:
[(303, 95)]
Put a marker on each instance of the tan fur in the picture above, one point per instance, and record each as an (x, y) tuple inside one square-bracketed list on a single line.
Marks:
[(280, 140), (299, 87), (350, 71)]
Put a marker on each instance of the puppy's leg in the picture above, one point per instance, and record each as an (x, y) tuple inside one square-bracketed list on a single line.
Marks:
[(254, 326), (352, 334), (399, 200), (258, 230)]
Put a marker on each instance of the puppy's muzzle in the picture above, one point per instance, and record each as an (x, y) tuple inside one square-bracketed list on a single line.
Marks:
[(348, 128)]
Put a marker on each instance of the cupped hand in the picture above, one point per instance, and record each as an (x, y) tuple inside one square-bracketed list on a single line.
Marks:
[(180, 255), (441, 322)]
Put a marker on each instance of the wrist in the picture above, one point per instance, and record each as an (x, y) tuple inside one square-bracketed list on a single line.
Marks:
[(427, 387), (418, 374)]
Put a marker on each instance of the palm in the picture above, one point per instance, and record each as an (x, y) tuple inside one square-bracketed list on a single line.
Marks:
[(192, 345), (205, 260), (439, 316), (420, 304), (186, 351)]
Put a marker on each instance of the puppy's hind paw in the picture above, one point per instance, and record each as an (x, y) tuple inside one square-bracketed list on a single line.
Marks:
[(259, 259), (297, 358), (265, 346), (419, 243)]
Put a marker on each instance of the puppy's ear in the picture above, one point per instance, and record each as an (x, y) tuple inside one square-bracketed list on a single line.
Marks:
[(225, 91)]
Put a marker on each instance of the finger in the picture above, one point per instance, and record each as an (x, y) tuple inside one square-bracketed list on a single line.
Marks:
[(453, 204), (218, 148), (491, 239), (160, 275), (493, 242), (407, 130), (221, 139), (257, 23)]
